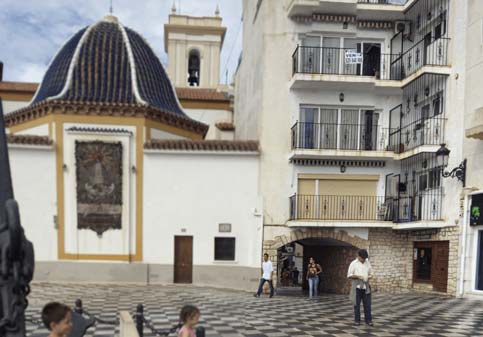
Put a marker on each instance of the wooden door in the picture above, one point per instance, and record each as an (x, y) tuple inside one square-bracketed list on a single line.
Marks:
[(440, 266), (183, 259)]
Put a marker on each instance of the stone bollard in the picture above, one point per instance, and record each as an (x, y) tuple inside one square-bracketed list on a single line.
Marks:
[(127, 328)]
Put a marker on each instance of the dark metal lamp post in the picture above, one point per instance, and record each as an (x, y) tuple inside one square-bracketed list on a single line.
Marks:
[(16, 252), (442, 156)]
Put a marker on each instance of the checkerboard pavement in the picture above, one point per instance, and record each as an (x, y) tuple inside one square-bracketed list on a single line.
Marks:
[(226, 313)]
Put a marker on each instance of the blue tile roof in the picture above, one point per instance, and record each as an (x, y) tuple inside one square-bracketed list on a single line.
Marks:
[(56, 75), (102, 68)]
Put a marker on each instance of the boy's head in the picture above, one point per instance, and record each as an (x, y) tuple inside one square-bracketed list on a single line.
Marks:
[(265, 257), (189, 315), (57, 317)]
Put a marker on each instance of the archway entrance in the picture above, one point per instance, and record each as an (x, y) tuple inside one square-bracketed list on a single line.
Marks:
[(333, 249), (333, 256)]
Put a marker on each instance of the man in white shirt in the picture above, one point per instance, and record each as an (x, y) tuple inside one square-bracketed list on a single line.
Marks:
[(267, 268), (360, 272)]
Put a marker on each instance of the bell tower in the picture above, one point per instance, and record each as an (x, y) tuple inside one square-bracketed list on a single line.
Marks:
[(193, 45)]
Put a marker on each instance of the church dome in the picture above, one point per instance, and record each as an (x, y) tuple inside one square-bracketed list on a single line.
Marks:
[(108, 63)]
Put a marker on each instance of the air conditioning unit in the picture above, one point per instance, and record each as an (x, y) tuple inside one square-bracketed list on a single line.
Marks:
[(404, 27)]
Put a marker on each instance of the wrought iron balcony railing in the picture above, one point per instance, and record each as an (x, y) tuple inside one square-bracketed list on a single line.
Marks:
[(425, 131), (338, 207), (363, 137), (341, 61), (429, 51), (347, 61), (423, 206)]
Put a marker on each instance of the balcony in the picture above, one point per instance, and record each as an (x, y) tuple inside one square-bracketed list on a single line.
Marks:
[(427, 132), (308, 7), (337, 207), (425, 205), (419, 211), (348, 140), (312, 66), (345, 7)]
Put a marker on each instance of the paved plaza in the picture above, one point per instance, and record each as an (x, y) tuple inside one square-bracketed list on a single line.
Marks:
[(228, 313)]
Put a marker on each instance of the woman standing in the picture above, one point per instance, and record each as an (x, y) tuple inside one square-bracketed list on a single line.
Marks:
[(313, 271)]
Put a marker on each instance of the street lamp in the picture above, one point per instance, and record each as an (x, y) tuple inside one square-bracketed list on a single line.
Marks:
[(442, 156)]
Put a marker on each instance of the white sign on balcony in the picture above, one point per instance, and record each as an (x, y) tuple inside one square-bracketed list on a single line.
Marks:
[(352, 57)]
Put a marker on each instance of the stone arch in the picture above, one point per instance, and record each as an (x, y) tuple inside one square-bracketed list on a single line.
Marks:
[(271, 246)]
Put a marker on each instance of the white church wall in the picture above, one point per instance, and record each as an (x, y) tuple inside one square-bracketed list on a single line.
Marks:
[(190, 194), (210, 117), (85, 241), (41, 130), (34, 183)]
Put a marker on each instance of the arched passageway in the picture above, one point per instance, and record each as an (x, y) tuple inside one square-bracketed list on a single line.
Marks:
[(333, 250)]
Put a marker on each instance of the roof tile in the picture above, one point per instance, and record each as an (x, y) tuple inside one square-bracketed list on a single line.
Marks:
[(203, 145)]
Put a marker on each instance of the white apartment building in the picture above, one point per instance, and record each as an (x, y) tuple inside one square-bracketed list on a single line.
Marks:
[(350, 101)]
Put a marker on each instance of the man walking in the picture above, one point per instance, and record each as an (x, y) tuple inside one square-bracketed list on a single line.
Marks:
[(360, 272), (267, 268)]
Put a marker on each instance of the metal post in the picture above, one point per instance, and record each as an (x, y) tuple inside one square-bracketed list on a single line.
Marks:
[(16, 252), (140, 320), (78, 307), (200, 331)]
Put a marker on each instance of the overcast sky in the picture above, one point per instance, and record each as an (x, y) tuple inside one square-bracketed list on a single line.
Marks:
[(31, 31)]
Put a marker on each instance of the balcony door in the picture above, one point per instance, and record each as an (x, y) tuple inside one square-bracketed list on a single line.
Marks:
[(309, 129), (349, 129), (310, 55), (331, 55), (371, 58), (368, 138), (328, 128), (333, 128)]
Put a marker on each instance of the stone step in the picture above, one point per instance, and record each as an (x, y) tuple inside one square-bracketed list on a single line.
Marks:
[(289, 291)]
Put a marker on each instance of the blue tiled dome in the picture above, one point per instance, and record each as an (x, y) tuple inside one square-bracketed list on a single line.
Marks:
[(109, 63)]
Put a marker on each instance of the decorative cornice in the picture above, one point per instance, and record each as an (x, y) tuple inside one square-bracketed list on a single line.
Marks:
[(375, 24), (202, 145), (44, 108), (324, 18), (29, 140), (99, 130), (316, 17), (333, 162)]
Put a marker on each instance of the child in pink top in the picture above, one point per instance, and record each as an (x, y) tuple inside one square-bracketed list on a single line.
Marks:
[(189, 316)]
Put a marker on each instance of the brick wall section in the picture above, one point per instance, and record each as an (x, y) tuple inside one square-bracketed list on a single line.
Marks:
[(391, 254), (334, 262)]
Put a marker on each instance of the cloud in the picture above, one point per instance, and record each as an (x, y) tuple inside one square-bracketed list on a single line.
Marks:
[(31, 31)]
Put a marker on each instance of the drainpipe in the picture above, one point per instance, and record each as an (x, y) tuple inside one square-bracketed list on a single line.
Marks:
[(463, 245)]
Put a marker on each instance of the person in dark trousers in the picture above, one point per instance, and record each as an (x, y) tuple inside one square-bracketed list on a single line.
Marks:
[(295, 277), (267, 268), (360, 272)]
